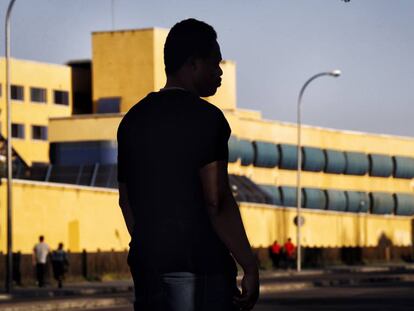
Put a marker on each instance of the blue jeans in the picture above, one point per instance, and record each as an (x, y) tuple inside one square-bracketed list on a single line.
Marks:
[(185, 291)]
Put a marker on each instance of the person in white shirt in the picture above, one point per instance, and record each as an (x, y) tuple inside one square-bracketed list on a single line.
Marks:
[(39, 258)]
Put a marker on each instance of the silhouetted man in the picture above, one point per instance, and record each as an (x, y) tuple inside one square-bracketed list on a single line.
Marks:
[(174, 188)]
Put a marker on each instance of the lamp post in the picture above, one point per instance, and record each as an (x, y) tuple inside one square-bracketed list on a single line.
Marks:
[(9, 274), (334, 73)]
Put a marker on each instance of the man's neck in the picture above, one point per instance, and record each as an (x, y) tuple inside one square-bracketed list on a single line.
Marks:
[(177, 83)]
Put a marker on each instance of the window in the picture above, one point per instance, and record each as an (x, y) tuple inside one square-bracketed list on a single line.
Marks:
[(109, 105), (18, 130), (61, 97), (17, 92), (37, 95), (39, 132)]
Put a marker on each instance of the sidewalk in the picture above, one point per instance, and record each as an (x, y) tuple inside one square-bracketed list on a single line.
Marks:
[(272, 282), (88, 295)]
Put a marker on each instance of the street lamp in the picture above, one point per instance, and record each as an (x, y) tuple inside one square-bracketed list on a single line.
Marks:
[(9, 274), (299, 220)]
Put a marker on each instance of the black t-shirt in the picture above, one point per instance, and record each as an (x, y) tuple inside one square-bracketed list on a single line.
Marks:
[(163, 141)]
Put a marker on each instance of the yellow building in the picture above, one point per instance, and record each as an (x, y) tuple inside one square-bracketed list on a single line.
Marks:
[(357, 187), (38, 91)]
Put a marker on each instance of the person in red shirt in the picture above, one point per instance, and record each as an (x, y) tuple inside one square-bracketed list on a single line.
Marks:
[(290, 250), (275, 252)]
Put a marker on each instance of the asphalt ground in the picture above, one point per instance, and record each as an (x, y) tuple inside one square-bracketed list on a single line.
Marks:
[(397, 296)]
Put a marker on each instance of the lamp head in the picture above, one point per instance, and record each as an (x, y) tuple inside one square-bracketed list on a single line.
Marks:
[(335, 73)]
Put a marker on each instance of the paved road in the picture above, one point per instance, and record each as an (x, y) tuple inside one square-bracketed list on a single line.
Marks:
[(394, 297)]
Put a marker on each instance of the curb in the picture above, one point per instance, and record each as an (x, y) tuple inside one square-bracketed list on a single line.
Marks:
[(62, 293), (274, 288), (73, 304)]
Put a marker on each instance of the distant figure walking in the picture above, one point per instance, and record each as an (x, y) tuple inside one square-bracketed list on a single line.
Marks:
[(59, 264), (289, 249), (275, 253), (39, 258)]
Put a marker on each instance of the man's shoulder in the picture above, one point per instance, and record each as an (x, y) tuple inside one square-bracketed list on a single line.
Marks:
[(132, 114), (139, 105), (209, 106), (211, 112)]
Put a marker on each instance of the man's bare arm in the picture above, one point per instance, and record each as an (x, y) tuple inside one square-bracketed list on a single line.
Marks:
[(125, 207), (227, 223), (225, 215)]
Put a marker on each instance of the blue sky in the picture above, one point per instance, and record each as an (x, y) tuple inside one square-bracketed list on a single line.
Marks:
[(277, 45)]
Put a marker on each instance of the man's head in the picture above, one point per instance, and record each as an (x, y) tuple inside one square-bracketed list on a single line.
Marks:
[(41, 238), (192, 54)]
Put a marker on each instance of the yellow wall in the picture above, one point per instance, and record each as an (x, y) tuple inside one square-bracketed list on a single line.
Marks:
[(130, 64), (123, 65), (84, 128), (281, 132), (225, 98), (160, 35), (33, 74), (89, 218), (265, 224), (80, 217)]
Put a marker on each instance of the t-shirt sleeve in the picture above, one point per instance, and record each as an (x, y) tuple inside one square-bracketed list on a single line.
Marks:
[(216, 148), (122, 154)]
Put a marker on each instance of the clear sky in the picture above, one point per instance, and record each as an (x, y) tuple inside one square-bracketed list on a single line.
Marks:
[(277, 45)]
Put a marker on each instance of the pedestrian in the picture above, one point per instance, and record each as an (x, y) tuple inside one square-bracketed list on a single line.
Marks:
[(39, 259), (275, 253), (175, 196), (60, 264), (290, 251)]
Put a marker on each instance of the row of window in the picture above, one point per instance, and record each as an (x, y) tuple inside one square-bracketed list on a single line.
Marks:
[(284, 156), (39, 132), (38, 95), (343, 201)]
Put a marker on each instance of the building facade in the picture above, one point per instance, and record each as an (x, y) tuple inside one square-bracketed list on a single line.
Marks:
[(358, 188), (39, 91)]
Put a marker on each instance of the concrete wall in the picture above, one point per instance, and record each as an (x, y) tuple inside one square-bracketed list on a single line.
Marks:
[(89, 218), (123, 65), (266, 223), (80, 217), (84, 128)]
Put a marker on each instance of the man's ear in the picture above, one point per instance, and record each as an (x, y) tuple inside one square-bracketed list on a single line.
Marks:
[(194, 63)]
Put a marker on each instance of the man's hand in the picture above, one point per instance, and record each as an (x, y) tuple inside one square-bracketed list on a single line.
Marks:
[(250, 291)]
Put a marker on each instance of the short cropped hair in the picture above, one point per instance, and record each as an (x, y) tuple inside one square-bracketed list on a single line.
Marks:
[(188, 38)]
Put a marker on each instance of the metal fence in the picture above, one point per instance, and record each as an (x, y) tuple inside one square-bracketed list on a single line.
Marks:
[(105, 175), (98, 175)]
